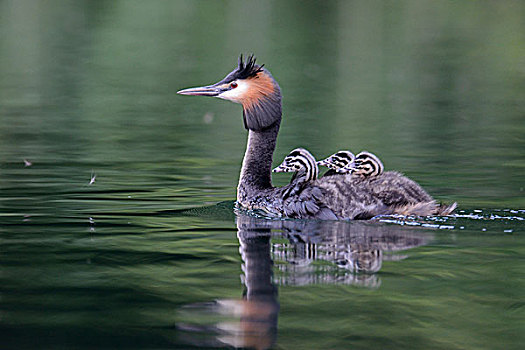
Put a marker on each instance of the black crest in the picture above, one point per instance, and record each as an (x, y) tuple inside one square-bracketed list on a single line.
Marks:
[(247, 69), (244, 70)]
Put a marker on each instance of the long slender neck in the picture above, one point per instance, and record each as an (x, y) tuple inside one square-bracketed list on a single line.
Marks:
[(257, 163), (262, 117)]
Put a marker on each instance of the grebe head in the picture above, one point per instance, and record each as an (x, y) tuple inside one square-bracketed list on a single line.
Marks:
[(299, 160), (338, 161), (252, 86), (367, 164)]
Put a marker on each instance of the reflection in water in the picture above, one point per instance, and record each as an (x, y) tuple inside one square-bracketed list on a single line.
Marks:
[(250, 322), (317, 252), (354, 251)]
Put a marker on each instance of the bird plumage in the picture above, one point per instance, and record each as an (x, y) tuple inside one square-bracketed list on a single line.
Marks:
[(344, 162), (337, 161), (304, 166), (367, 164), (299, 161)]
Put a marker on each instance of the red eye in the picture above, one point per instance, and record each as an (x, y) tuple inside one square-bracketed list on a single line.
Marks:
[(233, 85)]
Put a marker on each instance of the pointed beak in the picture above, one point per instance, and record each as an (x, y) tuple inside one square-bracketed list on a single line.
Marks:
[(279, 169), (323, 162), (210, 90)]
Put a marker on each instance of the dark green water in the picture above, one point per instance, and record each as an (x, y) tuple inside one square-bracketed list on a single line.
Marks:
[(152, 255)]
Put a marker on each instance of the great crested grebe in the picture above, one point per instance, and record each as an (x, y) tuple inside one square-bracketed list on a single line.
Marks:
[(336, 162), (303, 165), (344, 162), (367, 164), (332, 197)]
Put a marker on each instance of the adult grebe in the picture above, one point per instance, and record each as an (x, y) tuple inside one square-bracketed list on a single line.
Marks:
[(333, 197)]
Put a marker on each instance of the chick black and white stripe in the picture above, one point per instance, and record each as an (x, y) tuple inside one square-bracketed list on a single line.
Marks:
[(301, 162), (337, 162), (367, 164), (364, 164)]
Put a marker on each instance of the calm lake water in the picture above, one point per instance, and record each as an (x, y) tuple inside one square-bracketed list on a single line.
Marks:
[(117, 227)]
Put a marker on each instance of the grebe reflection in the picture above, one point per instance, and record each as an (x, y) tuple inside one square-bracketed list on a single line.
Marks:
[(351, 253)]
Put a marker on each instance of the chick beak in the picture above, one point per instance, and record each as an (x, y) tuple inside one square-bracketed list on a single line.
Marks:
[(279, 169), (323, 162)]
